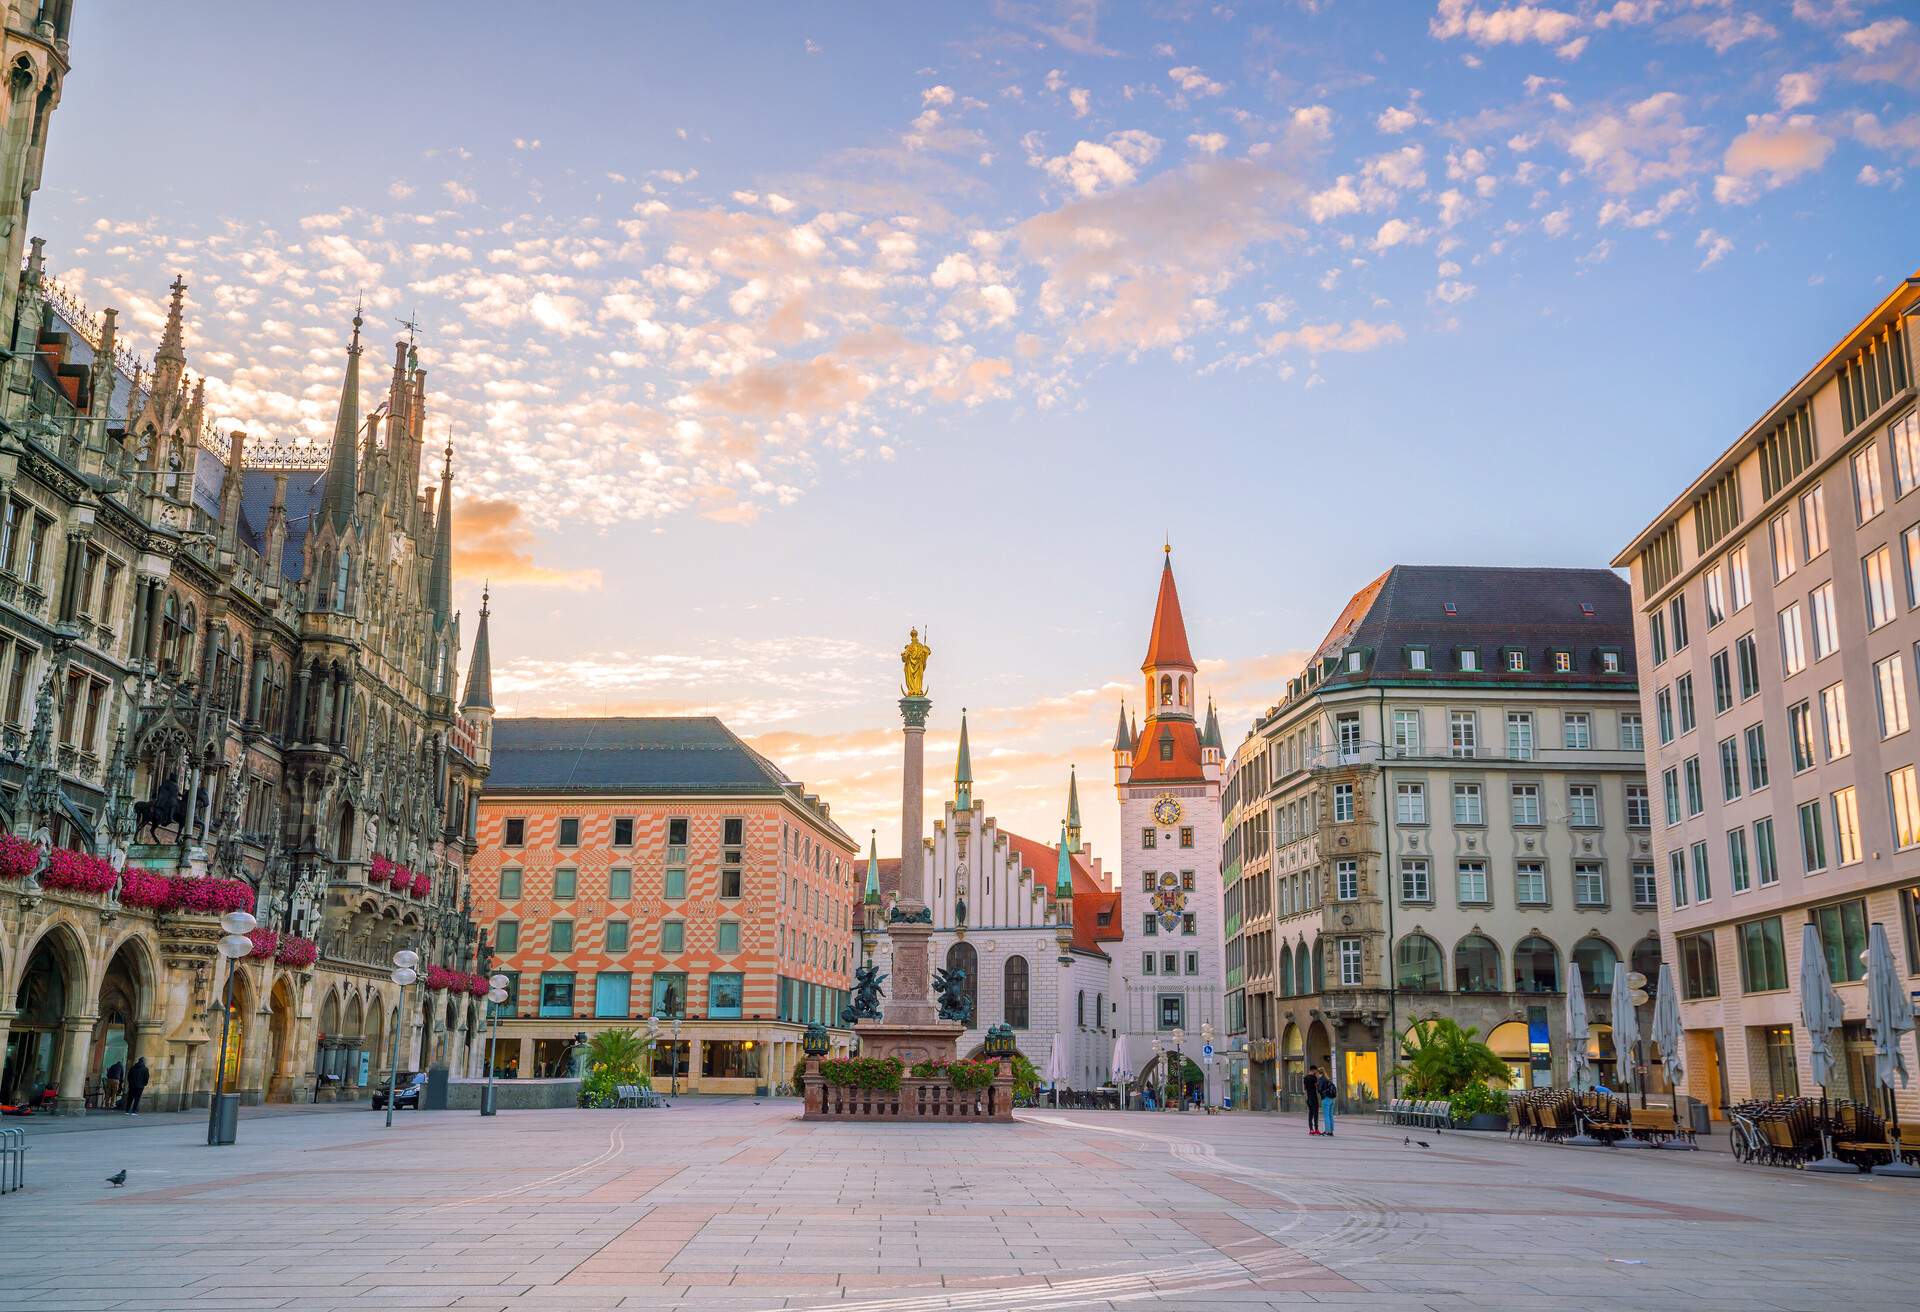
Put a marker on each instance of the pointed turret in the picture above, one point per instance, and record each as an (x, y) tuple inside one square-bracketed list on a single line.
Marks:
[(963, 770), (343, 473), (480, 668), (1169, 666), (170, 361), (1122, 739), (872, 895), (440, 581), (1073, 808), (1210, 736), (1063, 872)]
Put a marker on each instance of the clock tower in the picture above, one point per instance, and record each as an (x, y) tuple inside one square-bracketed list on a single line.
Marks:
[(1167, 772)]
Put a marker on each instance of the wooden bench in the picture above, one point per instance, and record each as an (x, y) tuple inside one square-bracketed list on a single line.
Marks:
[(1657, 1123)]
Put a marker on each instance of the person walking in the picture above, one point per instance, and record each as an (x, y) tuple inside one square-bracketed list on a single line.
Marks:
[(116, 1079), (1327, 1091), (136, 1085), (1310, 1087)]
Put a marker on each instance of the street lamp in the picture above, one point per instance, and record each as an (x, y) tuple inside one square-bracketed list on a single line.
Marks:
[(496, 994), (404, 962), (223, 1110), (1206, 1057)]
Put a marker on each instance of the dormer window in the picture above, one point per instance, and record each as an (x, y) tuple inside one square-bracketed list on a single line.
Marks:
[(1469, 660), (1517, 661), (1354, 661), (1610, 662), (1453, 611), (1166, 745), (1417, 658), (1563, 662), (1586, 609)]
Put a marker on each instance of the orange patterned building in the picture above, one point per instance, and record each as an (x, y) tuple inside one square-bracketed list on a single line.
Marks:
[(660, 871)]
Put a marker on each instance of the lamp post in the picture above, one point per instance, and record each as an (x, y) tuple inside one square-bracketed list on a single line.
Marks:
[(1158, 1046), (1206, 1059), (496, 994), (223, 1113), (404, 962), (1180, 1055)]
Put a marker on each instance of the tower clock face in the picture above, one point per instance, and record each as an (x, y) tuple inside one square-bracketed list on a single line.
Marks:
[(1166, 809)]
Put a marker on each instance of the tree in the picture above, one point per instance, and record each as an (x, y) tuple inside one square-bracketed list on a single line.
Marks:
[(1443, 1059), (614, 1057)]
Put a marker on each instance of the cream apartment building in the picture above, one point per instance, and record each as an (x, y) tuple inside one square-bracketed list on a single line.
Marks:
[(1446, 812), (1775, 627)]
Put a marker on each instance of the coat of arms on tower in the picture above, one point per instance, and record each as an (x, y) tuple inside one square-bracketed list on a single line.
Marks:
[(1169, 901)]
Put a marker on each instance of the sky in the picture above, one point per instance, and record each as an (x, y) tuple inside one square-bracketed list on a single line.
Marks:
[(763, 332)]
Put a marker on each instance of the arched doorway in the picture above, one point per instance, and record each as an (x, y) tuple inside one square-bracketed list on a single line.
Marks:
[(279, 1078), (353, 1040), (1293, 1061), (326, 1041), (239, 999), (1320, 1046), (125, 994), (375, 1036), (1511, 1045), (963, 957), (49, 988)]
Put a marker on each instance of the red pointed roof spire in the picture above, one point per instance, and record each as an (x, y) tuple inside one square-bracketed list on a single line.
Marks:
[(1167, 647)]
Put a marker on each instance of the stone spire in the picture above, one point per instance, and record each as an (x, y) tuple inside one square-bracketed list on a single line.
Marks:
[(480, 669), (170, 361), (1122, 740), (1210, 736), (872, 897), (963, 770), (440, 581), (343, 473), (1073, 809), (1063, 873)]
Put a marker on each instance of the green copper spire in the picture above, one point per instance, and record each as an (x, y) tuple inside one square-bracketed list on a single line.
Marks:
[(963, 770), (1063, 880), (873, 868), (1073, 809)]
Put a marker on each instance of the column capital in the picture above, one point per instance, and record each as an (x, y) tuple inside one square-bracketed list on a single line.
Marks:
[(914, 710)]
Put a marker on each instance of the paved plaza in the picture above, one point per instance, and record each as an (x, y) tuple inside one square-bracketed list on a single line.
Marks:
[(736, 1204)]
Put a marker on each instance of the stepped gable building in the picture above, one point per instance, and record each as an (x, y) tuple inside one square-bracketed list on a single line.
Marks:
[(228, 659), (1030, 922), (1776, 613), (1447, 810), (660, 871)]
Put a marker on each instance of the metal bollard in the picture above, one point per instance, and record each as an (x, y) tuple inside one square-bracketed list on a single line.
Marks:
[(13, 1160)]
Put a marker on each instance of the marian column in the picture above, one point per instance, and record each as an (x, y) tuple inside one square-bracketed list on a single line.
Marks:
[(909, 925)]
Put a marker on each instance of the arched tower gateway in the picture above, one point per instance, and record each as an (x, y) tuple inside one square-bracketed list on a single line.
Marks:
[(1168, 773)]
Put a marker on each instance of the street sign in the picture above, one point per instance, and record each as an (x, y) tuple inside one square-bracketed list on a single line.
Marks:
[(1206, 1050)]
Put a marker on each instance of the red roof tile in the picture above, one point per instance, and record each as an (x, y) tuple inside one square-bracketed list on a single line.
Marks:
[(1184, 767), (1167, 646)]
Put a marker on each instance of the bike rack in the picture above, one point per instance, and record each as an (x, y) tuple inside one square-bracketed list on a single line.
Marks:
[(13, 1160)]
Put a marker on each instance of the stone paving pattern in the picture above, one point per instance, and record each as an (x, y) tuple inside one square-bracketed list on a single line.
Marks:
[(737, 1204)]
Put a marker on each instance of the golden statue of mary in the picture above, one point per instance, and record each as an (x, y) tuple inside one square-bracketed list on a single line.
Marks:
[(913, 661)]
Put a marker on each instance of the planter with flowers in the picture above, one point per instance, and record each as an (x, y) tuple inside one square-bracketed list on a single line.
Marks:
[(297, 952), (422, 883), (78, 872), (379, 870), (266, 942), (18, 857)]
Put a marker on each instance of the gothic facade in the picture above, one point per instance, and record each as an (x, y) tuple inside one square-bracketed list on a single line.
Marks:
[(227, 677)]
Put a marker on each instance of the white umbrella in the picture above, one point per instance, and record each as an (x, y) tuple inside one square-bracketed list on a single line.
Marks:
[(1122, 1068), (1821, 1013), (1578, 1067), (1668, 1033), (1057, 1066), (1626, 1034), (1889, 1020)]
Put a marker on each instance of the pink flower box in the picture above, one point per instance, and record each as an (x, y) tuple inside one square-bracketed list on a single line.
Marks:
[(266, 942), (18, 857), (297, 952), (78, 872), (422, 884)]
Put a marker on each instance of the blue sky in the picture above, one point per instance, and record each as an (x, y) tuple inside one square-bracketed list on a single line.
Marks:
[(765, 331)]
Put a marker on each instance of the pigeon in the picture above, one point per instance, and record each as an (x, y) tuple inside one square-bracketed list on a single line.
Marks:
[(1422, 1143), (118, 1178)]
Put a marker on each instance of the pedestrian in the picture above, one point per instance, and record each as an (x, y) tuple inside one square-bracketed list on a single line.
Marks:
[(1327, 1090), (115, 1078), (136, 1085), (1311, 1088)]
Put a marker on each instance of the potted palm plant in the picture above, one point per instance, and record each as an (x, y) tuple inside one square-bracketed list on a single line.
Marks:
[(1444, 1060)]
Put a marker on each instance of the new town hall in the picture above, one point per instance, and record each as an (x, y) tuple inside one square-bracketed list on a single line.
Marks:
[(228, 679)]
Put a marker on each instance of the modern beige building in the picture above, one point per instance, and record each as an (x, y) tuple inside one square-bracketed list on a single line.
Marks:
[(1445, 813), (1775, 623)]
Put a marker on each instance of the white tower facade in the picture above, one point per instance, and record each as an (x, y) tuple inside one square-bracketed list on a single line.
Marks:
[(1172, 906)]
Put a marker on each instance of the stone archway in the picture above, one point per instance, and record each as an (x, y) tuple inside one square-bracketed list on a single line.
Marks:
[(46, 1004), (229, 1064), (375, 1033), (1320, 1047), (125, 1019), (280, 1045), (353, 1039)]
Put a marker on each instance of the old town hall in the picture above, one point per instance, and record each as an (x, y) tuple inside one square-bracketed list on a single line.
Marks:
[(228, 680)]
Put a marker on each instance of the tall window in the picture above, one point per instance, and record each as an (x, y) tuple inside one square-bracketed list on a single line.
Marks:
[(1350, 974), (961, 956), (565, 880), (1890, 695), (1530, 883), (1677, 877), (733, 856), (1589, 884), (617, 935), (1416, 880), (1476, 965), (1813, 837), (1683, 698), (560, 937), (1702, 874), (1843, 936), (1747, 658), (1670, 787), (1729, 769), (1813, 521), (1462, 734), (1663, 713), (1677, 623), (1346, 880), (1472, 885), (1644, 893), (1410, 803), (1347, 734), (1526, 804), (1903, 435), (1793, 656), (1696, 798), (1739, 875), (1583, 805), (1016, 992), (1343, 804), (1419, 966), (1406, 732), (1639, 808), (1520, 735), (725, 993), (1466, 805), (1722, 681), (1833, 720), (1631, 737), (1536, 966), (1876, 576), (1739, 578), (1800, 735), (1826, 624), (1576, 730), (1716, 590), (1846, 827), (1699, 971), (1766, 863), (1780, 531), (1903, 799), (1868, 499), (620, 883), (569, 831)]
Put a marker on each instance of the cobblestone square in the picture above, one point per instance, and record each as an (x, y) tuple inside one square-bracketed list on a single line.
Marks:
[(732, 1203)]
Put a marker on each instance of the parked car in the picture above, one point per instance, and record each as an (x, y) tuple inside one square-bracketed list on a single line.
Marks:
[(411, 1085)]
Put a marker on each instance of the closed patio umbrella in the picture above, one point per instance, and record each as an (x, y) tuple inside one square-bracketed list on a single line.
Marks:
[(1889, 1020), (1122, 1068), (1668, 1033), (1579, 1068), (1821, 1014), (1057, 1066), (1626, 1034)]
